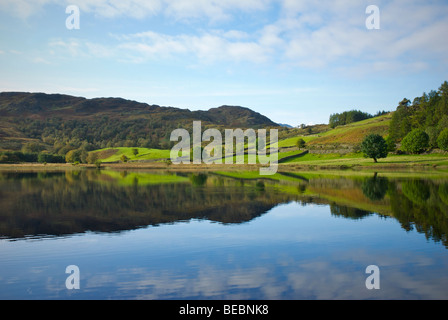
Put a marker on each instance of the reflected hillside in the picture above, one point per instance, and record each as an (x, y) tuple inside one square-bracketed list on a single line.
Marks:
[(64, 203), (72, 202), (418, 204)]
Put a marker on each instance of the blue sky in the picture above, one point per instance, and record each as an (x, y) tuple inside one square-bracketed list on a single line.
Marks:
[(294, 61)]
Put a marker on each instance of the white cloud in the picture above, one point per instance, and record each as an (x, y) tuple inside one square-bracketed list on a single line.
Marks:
[(23, 8), (114, 8), (214, 10), (305, 34), (207, 47), (332, 33)]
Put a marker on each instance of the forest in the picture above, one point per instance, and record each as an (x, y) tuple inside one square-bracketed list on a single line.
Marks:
[(427, 113), (347, 117)]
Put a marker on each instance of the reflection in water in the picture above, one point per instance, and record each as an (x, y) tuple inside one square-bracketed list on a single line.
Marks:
[(72, 202), (60, 203), (214, 238), (375, 188)]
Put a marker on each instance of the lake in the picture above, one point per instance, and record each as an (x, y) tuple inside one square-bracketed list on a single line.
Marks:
[(223, 235)]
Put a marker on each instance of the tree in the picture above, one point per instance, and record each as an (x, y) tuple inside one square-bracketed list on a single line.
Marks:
[(50, 158), (432, 133), (135, 152), (73, 156), (375, 188), (300, 143), (98, 164), (391, 145), (32, 147), (92, 157), (339, 119), (124, 158), (374, 146), (442, 140), (415, 141)]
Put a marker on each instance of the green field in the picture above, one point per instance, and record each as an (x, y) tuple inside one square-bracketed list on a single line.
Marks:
[(353, 133), (349, 135), (133, 178), (357, 159), (115, 154)]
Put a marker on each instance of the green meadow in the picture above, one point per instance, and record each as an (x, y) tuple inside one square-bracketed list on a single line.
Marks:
[(324, 150), (115, 154)]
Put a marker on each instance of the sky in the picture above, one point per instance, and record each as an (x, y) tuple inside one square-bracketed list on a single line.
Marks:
[(294, 61)]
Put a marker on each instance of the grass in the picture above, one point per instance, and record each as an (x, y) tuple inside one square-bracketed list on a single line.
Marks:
[(353, 133), (288, 142), (315, 158), (141, 178), (115, 154), (349, 160), (357, 159), (349, 135)]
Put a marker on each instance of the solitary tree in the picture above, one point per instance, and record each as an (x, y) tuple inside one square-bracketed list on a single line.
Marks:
[(98, 164), (374, 146), (300, 143), (135, 152), (124, 158)]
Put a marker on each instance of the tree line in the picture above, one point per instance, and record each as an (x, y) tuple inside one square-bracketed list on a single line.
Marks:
[(421, 124), (347, 117)]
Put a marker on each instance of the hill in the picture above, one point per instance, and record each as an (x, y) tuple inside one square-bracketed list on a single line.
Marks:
[(350, 135), (58, 123), (343, 138)]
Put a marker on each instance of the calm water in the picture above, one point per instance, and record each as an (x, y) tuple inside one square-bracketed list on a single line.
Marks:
[(143, 235)]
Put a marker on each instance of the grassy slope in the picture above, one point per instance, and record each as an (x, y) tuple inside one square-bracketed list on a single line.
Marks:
[(351, 134), (114, 154)]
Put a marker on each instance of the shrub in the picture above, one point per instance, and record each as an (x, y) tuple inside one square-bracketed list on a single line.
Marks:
[(415, 141), (17, 157), (300, 143), (442, 140), (50, 158), (73, 156)]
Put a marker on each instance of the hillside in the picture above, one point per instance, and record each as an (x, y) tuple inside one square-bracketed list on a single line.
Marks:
[(58, 123), (350, 135), (337, 141)]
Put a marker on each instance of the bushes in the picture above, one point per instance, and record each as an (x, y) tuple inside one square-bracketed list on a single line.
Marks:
[(415, 141), (50, 158), (18, 157), (347, 117), (442, 140)]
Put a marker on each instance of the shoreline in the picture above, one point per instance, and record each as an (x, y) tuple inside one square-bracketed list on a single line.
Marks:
[(412, 167)]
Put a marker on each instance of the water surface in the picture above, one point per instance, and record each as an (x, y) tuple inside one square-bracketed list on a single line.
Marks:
[(155, 235)]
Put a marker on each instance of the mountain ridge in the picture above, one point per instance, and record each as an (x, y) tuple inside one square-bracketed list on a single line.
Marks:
[(49, 119)]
